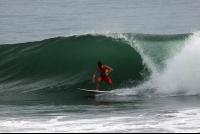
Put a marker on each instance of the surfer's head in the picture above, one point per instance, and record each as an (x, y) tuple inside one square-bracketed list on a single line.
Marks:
[(100, 64)]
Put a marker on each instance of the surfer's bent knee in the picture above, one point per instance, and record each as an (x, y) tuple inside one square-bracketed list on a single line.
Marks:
[(110, 82)]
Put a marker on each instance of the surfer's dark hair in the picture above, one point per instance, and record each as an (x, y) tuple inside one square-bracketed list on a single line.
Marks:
[(100, 63)]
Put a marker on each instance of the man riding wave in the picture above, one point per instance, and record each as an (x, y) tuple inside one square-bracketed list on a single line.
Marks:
[(104, 70)]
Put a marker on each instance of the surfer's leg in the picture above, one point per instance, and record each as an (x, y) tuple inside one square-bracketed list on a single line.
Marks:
[(97, 86), (98, 82), (111, 85), (109, 81)]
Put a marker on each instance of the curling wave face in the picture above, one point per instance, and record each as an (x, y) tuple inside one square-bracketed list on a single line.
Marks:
[(62, 64)]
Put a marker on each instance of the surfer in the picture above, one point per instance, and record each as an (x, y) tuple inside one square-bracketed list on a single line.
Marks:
[(104, 70)]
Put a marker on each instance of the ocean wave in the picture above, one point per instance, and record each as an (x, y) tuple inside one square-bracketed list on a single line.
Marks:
[(63, 64)]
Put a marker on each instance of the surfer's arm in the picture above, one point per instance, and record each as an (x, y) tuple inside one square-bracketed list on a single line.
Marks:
[(95, 75), (109, 69)]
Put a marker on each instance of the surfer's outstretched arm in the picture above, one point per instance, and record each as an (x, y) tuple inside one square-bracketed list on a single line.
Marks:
[(95, 75)]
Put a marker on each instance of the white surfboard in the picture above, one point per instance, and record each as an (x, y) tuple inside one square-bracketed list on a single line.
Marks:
[(93, 91)]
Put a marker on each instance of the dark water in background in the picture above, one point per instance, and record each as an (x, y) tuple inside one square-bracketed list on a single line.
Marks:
[(50, 48)]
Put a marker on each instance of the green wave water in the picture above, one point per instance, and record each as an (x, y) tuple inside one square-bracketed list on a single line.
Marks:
[(61, 65)]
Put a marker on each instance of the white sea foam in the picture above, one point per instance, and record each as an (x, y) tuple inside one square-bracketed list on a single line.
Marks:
[(181, 73), (187, 120)]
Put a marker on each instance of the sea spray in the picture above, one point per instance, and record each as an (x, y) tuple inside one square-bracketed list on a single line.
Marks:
[(181, 73)]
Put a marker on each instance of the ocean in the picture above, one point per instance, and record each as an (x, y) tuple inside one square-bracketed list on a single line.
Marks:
[(49, 48)]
